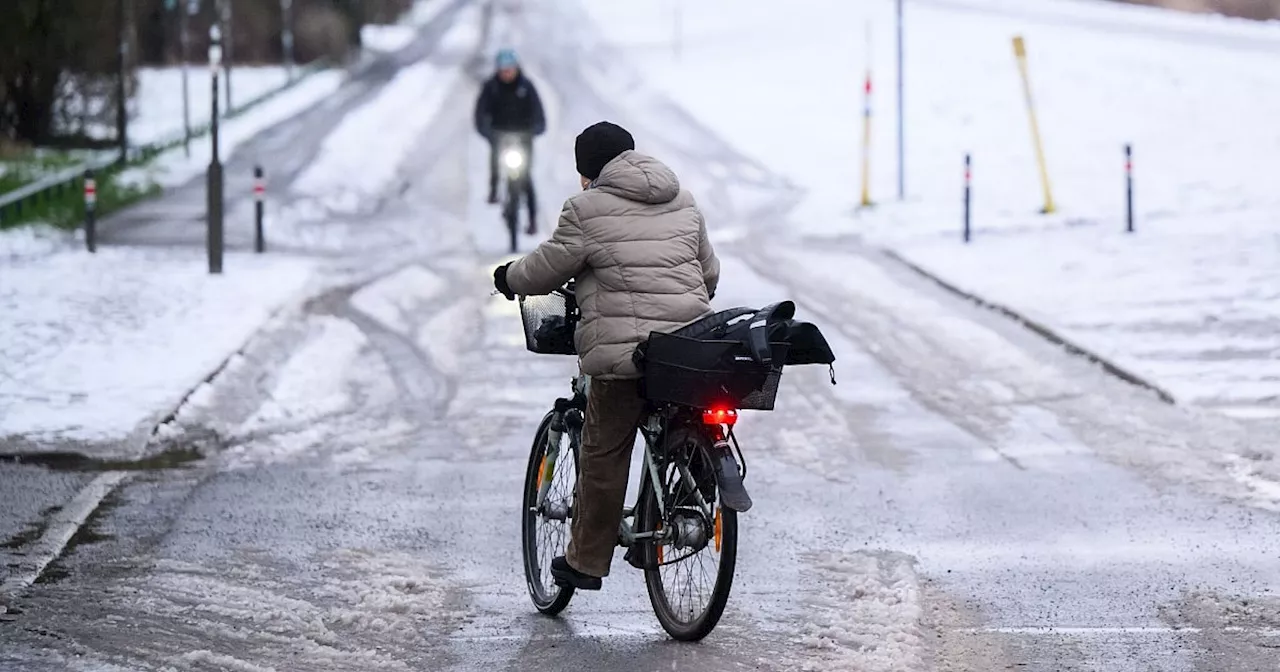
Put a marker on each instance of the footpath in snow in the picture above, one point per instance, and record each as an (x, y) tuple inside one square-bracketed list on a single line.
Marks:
[(1190, 301), (97, 349)]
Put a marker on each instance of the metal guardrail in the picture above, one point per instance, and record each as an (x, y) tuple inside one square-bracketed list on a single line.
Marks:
[(52, 182), (12, 203)]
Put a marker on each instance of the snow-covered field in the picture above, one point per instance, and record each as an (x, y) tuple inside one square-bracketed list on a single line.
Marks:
[(174, 167), (94, 347), (1191, 300), (159, 98)]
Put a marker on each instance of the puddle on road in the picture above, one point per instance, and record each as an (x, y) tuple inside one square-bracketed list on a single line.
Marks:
[(173, 458)]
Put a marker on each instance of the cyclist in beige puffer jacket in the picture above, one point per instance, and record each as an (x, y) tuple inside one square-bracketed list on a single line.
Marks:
[(637, 246)]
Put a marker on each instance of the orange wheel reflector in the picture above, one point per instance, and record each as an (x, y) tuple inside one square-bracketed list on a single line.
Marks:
[(542, 465), (661, 552), (718, 531)]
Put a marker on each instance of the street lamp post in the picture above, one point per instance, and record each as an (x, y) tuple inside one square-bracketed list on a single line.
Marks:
[(286, 35), (122, 104), (227, 26), (184, 13), (214, 238)]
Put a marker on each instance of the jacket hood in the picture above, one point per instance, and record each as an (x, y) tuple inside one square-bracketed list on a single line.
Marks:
[(638, 177)]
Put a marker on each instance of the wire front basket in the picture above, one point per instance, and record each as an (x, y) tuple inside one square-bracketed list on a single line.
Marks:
[(549, 323)]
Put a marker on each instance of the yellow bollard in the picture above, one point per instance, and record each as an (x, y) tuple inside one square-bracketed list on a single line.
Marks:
[(866, 143), (1020, 51)]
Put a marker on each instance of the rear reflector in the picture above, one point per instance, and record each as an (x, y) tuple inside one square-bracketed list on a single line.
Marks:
[(719, 416)]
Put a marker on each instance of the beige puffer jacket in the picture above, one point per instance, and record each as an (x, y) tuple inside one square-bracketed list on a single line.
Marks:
[(637, 246)]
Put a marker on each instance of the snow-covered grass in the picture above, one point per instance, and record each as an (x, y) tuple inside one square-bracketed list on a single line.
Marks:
[(1197, 97), (159, 98), (387, 38), (173, 167), (95, 347)]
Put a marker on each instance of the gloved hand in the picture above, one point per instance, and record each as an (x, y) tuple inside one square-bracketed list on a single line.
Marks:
[(500, 281)]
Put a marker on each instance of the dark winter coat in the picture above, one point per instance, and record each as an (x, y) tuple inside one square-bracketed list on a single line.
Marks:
[(513, 107)]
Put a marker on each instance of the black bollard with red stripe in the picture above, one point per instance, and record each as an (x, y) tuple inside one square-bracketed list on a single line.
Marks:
[(90, 211), (259, 193), (968, 182)]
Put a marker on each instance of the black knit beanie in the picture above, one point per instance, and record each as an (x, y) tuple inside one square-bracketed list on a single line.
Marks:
[(599, 144)]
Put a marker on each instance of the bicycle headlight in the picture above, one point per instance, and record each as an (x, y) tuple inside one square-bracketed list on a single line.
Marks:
[(513, 159)]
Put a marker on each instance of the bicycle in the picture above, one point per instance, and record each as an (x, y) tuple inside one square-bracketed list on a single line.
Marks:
[(676, 518), (514, 155)]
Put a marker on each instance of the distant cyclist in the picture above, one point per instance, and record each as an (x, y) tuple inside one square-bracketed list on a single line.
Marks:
[(509, 103)]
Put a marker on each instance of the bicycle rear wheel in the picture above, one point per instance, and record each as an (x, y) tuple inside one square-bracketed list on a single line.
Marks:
[(546, 528), (689, 574)]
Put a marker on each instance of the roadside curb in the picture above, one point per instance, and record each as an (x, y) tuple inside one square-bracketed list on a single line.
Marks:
[(1039, 328), (63, 525)]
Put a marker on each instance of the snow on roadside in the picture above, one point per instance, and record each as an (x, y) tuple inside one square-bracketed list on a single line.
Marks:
[(1188, 301), (173, 167), (97, 346), (865, 615), (33, 241)]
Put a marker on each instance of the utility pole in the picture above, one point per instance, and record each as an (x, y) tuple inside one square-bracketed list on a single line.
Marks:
[(122, 103)]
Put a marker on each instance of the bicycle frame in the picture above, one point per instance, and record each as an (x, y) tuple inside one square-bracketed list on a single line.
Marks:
[(569, 416)]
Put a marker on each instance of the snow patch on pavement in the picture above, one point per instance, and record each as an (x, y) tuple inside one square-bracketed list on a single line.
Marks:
[(365, 609), (313, 383), (866, 615), (196, 659), (447, 335), (394, 300), (363, 155)]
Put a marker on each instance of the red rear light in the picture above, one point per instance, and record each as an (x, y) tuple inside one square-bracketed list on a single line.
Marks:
[(719, 416)]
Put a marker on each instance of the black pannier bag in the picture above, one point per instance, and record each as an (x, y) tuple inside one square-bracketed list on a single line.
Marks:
[(732, 358)]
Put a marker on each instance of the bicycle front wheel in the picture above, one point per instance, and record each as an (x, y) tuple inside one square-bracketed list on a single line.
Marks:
[(511, 212), (545, 526), (689, 573)]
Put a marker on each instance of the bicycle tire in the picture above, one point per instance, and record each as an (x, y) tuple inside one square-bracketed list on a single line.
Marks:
[(552, 599), (511, 213), (697, 628)]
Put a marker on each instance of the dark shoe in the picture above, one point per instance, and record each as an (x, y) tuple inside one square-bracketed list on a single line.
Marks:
[(533, 228), (566, 575), (493, 196), (733, 494)]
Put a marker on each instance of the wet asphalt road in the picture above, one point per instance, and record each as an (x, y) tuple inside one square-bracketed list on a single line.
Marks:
[(967, 498)]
